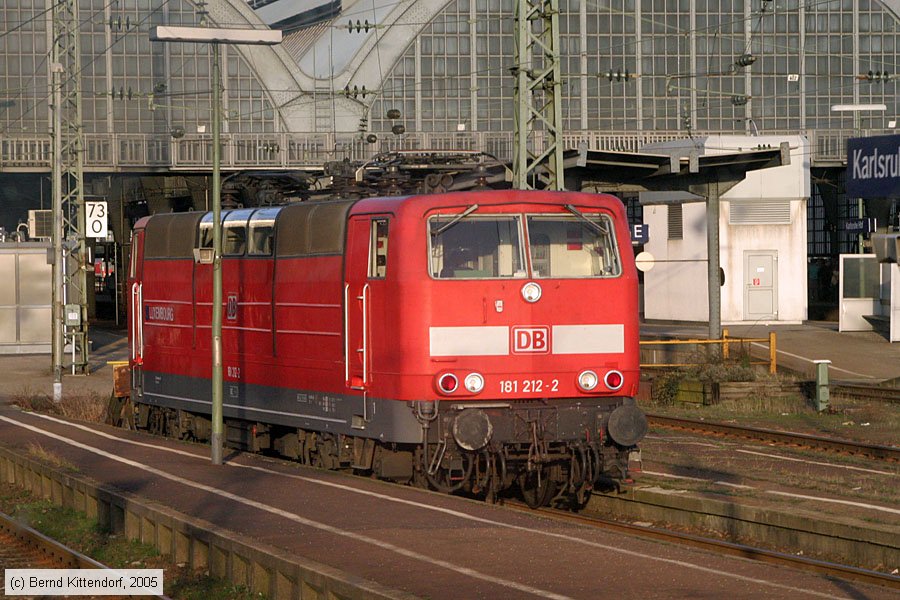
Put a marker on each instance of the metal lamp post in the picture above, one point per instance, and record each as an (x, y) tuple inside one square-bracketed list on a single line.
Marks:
[(216, 37)]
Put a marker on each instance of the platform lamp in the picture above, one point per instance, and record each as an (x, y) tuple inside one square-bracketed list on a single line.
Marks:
[(216, 37), (856, 109)]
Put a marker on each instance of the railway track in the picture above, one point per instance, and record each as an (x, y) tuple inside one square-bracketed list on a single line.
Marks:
[(22, 547), (825, 568), (868, 392), (802, 440)]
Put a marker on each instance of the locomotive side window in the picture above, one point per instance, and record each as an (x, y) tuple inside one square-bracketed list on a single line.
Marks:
[(234, 232), (569, 246), (206, 235), (479, 247), (378, 248), (234, 240), (262, 232), (206, 230), (261, 237)]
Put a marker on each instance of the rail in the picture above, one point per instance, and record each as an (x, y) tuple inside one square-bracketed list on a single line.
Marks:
[(784, 438), (869, 392), (726, 345)]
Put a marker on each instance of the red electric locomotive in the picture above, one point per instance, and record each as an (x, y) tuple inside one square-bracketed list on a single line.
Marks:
[(465, 340)]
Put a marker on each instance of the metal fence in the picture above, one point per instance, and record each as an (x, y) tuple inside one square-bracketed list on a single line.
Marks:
[(193, 151), (726, 347)]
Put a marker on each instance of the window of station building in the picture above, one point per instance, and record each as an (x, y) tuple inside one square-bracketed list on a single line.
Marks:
[(568, 246), (378, 249), (262, 232), (482, 247)]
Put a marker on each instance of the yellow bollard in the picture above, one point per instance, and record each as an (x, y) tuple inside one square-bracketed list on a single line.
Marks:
[(773, 367)]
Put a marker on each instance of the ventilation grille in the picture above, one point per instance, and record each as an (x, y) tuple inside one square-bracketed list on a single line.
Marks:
[(40, 224), (760, 212), (675, 222)]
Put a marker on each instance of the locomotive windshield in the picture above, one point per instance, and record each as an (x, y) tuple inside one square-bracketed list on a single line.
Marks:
[(561, 246), (477, 247)]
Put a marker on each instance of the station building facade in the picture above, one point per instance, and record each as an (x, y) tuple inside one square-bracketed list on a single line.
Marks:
[(762, 235)]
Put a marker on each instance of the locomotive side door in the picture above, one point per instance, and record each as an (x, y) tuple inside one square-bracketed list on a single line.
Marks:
[(365, 268), (136, 311)]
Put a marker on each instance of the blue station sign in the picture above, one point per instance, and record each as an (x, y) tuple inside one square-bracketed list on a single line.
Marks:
[(640, 233), (864, 226), (873, 167)]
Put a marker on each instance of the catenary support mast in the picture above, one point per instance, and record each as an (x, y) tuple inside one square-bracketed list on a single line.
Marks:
[(70, 293), (538, 158)]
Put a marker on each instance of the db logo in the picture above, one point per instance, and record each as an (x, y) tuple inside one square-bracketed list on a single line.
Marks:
[(535, 340), (231, 307)]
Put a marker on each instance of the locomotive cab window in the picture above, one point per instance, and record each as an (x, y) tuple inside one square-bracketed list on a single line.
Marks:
[(378, 249), (573, 246), (482, 247)]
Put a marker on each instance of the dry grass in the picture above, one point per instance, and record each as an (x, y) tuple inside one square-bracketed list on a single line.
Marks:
[(762, 403), (83, 407), (49, 457)]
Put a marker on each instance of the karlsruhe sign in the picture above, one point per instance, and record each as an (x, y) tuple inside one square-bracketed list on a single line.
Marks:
[(873, 167), (865, 225)]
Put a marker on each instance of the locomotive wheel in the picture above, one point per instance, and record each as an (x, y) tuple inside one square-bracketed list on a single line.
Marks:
[(580, 479), (156, 424), (326, 452), (537, 486), (444, 481)]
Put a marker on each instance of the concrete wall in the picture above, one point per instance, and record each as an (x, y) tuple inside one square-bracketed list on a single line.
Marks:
[(677, 290)]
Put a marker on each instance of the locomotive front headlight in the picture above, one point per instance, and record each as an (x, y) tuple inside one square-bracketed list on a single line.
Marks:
[(447, 383), (588, 380), (474, 382), (614, 380), (531, 292)]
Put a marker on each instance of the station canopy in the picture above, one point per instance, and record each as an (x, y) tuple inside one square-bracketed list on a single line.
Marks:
[(612, 171)]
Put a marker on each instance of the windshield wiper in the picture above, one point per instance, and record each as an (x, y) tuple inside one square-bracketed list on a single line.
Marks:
[(455, 220), (597, 227)]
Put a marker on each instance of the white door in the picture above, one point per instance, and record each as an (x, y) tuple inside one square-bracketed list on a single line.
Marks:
[(760, 285)]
